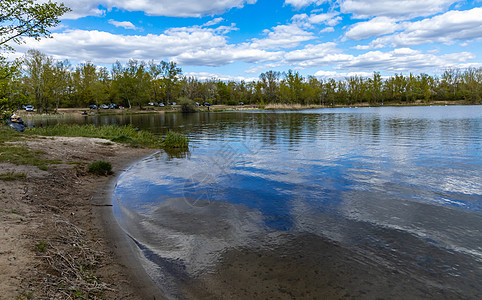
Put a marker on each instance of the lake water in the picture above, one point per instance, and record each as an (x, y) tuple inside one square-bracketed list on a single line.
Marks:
[(330, 203)]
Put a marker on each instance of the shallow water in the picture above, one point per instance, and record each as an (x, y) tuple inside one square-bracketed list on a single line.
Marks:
[(354, 202)]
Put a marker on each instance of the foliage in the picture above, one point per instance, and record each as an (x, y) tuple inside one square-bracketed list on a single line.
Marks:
[(26, 18), (175, 140), (49, 83), (20, 19), (100, 167), (188, 105)]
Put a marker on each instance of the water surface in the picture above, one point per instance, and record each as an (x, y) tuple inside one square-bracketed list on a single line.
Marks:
[(331, 203)]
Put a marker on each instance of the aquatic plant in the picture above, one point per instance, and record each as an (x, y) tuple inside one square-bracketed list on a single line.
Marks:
[(175, 140)]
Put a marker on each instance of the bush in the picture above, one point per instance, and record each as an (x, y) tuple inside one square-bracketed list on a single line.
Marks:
[(100, 167), (187, 105), (175, 140)]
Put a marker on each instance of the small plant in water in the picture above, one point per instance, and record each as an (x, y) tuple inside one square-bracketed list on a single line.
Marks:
[(175, 140), (101, 168)]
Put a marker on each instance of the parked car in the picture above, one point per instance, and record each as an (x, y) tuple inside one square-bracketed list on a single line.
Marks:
[(207, 104), (113, 106), (172, 103), (103, 106), (152, 103), (29, 108), (93, 106), (241, 103), (161, 104)]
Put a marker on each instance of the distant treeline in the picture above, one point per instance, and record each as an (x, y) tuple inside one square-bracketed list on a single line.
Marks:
[(48, 84)]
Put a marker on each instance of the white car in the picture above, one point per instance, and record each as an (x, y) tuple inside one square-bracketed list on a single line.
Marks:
[(29, 108)]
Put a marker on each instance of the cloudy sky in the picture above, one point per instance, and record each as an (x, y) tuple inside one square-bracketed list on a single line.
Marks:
[(239, 39)]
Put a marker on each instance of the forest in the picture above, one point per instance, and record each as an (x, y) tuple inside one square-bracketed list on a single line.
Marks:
[(49, 84)]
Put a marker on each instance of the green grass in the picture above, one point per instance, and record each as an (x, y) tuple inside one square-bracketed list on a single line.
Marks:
[(12, 176), (175, 140), (41, 246), (119, 134), (101, 168), (21, 156)]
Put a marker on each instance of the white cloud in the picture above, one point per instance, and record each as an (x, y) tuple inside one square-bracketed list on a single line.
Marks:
[(375, 27), (340, 75), (446, 28), (317, 55), (404, 60), (222, 77), (123, 24), (185, 45), (282, 36), (172, 8), (303, 3), (401, 9), (330, 19), (213, 22)]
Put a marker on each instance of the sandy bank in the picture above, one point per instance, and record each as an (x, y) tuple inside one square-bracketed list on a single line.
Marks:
[(59, 237)]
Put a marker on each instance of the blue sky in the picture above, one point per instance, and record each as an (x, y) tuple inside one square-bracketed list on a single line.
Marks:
[(239, 39)]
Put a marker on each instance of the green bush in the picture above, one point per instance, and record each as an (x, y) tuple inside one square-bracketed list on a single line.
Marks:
[(187, 105), (101, 168), (175, 140)]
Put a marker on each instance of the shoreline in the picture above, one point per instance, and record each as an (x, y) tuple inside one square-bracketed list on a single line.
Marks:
[(234, 108), (59, 235)]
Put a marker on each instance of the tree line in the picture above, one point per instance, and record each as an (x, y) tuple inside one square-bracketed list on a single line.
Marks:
[(49, 84)]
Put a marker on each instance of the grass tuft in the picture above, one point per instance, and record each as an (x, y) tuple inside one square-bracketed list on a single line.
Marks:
[(12, 176), (100, 167), (175, 140)]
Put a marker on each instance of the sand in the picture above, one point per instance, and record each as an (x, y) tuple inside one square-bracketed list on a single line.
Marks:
[(59, 237)]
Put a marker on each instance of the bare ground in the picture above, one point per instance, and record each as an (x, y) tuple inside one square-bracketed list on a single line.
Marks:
[(55, 244)]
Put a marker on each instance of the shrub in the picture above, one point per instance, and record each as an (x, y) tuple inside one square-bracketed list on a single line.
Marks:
[(101, 168), (187, 105)]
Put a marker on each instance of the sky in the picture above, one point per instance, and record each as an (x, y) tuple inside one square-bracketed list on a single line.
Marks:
[(240, 39)]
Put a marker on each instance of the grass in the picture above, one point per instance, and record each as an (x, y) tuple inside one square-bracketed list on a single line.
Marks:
[(22, 156), (175, 140), (118, 134), (41, 246), (100, 168), (12, 176)]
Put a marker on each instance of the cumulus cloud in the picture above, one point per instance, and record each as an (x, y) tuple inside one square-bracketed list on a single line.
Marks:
[(446, 28), (404, 60), (402, 9), (340, 75), (171, 8), (216, 76), (283, 36), (375, 27), (303, 3), (317, 55), (123, 24), (330, 19), (185, 45)]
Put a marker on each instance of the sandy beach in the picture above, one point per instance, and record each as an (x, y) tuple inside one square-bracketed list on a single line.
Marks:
[(59, 237)]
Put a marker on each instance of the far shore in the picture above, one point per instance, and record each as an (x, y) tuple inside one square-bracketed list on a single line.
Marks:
[(148, 109)]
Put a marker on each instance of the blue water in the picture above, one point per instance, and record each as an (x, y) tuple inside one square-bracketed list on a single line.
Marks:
[(397, 186)]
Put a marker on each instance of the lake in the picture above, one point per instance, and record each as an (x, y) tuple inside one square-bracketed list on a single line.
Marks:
[(330, 203)]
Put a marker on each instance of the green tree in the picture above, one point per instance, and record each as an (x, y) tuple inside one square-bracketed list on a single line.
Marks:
[(26, 18)]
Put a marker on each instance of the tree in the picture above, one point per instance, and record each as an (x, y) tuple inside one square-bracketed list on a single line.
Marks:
[(25, 18), (19, 19)]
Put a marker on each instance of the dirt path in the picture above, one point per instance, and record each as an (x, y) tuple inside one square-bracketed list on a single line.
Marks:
[(56, 229)]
